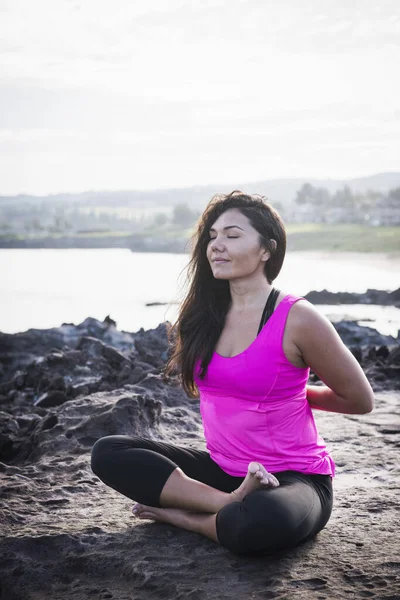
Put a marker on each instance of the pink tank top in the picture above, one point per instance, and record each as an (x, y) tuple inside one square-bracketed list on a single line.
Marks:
[(254, 407)]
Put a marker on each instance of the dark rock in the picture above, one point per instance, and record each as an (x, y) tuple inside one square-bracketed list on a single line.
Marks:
[(353, 334), (92, 366), (170, 394), (109, 321), (7, 386), (156, 303), (371, 296), (394, 356), (86, 386), (11, 395), (79, 389), (18, 379), (19, 350), (20, 401), (9, 429), (94, 388), (54, 398), (75, 357), (114, 357), (139, 372), (55, 358), (27, 421), (66, 534), (95, 348), (382, 351), (356, 352), (152, 345), (90, 346), (75, 426), (57, 383), (48, 423)]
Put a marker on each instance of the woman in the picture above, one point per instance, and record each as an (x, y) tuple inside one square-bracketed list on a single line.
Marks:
[(265, 483)]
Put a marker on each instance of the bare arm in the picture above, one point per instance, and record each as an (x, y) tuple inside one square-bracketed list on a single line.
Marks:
[(346, 389)]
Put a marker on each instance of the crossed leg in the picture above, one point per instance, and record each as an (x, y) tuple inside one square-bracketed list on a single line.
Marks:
[(186, 488), (192, 505)]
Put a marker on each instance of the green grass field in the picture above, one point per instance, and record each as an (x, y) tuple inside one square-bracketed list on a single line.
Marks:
[(343, 237), (319, 236)]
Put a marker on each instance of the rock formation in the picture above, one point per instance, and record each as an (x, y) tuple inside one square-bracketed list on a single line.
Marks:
[(65, 535)]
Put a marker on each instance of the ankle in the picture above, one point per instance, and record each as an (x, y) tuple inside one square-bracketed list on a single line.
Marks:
[(234, 496)]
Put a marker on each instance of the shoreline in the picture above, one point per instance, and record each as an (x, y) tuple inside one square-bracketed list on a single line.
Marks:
[(383, 314), (306, 237)]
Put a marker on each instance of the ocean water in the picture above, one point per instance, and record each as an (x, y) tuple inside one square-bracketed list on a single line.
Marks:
[(45, 288)]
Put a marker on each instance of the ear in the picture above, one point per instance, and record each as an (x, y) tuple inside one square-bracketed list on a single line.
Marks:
[(267, 254)]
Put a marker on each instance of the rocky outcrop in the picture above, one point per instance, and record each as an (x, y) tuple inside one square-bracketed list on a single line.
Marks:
[(371, 296), (65, 534), (19, 349), (61, 389), (48, 368), (353, 334), (75, 426)]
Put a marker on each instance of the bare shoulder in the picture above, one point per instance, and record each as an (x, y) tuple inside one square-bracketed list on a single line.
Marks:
[(322, 349), (303, 314), (305, 329), (309, 328)]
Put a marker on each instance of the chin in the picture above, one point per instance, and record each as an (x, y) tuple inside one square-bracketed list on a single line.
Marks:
[(221, 275)]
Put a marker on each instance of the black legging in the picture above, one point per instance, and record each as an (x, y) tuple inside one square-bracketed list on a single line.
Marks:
[(267, 520)]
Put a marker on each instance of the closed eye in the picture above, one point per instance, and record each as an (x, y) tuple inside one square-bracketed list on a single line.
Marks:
[(230, 237)]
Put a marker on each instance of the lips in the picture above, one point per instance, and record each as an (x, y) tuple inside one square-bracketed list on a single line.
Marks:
[(220, 260)]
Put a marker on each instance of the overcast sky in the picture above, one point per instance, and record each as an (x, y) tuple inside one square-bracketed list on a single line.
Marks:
[(130, 94)]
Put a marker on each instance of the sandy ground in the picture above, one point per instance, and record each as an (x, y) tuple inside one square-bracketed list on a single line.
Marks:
[(65, 535)]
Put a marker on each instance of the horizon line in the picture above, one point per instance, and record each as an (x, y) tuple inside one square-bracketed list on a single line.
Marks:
[(188, 187)]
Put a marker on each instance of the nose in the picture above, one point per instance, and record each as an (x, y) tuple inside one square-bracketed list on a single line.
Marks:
[(216, 244)]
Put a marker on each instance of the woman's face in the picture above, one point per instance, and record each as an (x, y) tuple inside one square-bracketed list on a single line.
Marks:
[(234, 248)]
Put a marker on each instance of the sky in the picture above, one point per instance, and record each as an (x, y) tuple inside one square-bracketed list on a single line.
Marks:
[(132, 94)]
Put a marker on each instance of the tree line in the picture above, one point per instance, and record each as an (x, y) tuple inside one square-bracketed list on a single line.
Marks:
[(58, 219), (311, 203)]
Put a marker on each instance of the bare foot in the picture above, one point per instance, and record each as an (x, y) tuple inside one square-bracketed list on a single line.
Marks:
[(203, 523), (173, 516), (257, 477)]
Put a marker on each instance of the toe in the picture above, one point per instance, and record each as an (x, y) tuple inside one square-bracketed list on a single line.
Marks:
[(137, 508), (253, 467)]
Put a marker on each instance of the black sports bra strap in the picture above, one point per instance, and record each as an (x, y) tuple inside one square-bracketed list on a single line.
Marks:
[(269, 308)]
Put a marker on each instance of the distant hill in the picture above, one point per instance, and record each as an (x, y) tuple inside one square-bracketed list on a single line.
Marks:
[(281, 190)]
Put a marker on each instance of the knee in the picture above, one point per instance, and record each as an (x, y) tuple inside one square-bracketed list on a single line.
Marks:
[(108, 450), (255, 527), (100, 451)]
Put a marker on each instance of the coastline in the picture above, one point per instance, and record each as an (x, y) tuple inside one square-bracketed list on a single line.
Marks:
[(339, 237)]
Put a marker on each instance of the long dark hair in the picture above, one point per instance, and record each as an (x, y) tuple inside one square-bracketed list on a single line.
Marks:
[(202, 314)]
